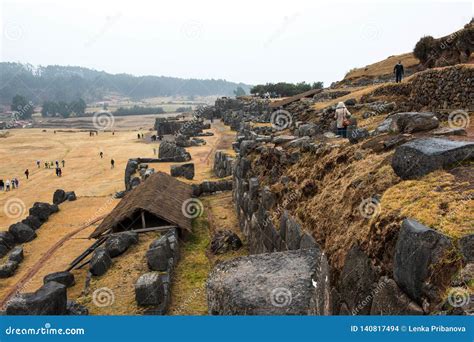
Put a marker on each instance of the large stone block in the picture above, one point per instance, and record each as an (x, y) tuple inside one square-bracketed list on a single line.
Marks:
[(356, 282), (50, 299), (149, 289), (22, 232), (423, 263), (280, 283), (420, 157), (388, 299), (100, 262)]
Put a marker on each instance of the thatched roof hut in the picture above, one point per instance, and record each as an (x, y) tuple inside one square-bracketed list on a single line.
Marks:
[(158, 201)]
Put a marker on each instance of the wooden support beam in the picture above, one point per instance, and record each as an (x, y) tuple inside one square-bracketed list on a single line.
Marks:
[(143, 219), (145, 230), (88, 251)]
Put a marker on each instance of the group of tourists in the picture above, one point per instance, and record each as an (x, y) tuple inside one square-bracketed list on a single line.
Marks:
[(51, 165), (8, 184)]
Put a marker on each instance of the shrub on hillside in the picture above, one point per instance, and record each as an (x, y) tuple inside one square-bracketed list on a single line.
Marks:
[(424, 48)]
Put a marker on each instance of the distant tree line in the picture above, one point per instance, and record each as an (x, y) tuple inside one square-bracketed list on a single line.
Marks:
[(284, 89), (23, 108), (67, 83), (64, 109), (138, 110)]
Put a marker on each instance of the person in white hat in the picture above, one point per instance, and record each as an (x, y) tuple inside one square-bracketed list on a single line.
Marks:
[(341, 116)]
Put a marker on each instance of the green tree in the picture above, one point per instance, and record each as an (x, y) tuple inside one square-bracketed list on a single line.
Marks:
[(239, 91), (24, 107)]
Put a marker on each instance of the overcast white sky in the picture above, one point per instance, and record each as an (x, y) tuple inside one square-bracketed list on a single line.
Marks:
[(253, 41)]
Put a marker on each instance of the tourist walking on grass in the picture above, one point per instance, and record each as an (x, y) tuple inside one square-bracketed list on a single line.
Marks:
[(399, 71), (7, 185), (63, 162), (27, 173), (112, 163), (38, 163), (2, 185), (341, 116), (101, 154)]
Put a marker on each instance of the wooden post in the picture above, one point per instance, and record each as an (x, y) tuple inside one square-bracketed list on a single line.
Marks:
[(143, 220)]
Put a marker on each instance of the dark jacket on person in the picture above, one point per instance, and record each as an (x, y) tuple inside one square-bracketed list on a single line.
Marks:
[(398, 69)]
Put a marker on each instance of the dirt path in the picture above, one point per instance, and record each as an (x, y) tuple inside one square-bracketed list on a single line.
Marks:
[(40, 263)]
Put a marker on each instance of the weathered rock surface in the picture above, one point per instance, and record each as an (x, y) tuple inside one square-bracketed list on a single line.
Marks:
[(75, 309), (224, 241), (223, 164), (411, 122), (7, 241), (43, 210), (32, 221), (281, 283), (50, 299), (419, 264), (466, 245), (183, 170), (149, 289), (119, 243), (59, 196), (422, 156), (22, 232), (209, 187), (356, 280), (290, 232), (170, 151), (390, 300), (157, 257), (130, 169), (8, 269), (100, 262), (65, 278), (16, 254)]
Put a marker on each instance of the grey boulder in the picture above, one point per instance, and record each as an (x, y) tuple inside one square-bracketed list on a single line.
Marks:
[(390, 300), (184, 170), (8, 269), (16, 254), (75, 309), (32, 221), (149, 289), (419, 263), (50, 299), (280, 283), (420, 157), (100, 262), (65, 278), (117, 244), (22, 232)]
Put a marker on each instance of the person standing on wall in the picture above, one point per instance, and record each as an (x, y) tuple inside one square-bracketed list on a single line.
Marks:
[(399, 71)]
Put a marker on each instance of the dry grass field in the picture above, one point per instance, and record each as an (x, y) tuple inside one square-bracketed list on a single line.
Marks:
[(94, 182)]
